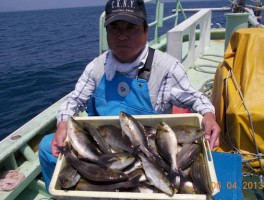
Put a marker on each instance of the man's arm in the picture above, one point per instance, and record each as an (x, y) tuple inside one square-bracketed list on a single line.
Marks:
[(211, 129), (59, 138), (183, 94), (74, 103)]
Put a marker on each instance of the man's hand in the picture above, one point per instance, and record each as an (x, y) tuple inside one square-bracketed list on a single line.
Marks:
[(211, 129), (58, 139)]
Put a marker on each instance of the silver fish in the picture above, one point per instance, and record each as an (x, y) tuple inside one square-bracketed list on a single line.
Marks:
[(88, 186), (134, 166), (151, 135), (92, 171), (97, 137), (185, 187), (135, 131), (138, 173), (68, 177), (167, 144), (187, 134), (156, 176), (150, 131), (80, 142), (145, 188), (114, 138), (200, 175), (117, 161), (187, 154)]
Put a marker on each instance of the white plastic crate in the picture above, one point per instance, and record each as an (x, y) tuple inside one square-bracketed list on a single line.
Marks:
[(149, 120)]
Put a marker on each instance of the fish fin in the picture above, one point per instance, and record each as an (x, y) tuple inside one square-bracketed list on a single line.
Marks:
[(107, 158), (81, 157), (123, 133), (135, 181)]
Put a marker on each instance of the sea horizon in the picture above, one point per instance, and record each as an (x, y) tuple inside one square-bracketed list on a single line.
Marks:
[(12, 9), (43, 53)]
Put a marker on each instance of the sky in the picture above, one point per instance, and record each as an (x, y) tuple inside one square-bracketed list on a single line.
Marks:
[(20, 5)]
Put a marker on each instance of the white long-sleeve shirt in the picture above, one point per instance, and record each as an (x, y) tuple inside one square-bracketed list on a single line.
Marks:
[(175, 89)]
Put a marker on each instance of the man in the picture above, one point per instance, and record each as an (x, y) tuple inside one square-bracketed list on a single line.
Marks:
[(129, 77), (257, 12)]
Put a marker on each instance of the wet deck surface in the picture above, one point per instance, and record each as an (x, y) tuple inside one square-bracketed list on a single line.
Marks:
[(206, 65)]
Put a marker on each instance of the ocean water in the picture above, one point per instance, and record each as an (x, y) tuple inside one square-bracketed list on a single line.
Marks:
[(43, 53)]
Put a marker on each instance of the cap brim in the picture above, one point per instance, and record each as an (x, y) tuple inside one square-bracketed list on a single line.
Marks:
[(124, 17)]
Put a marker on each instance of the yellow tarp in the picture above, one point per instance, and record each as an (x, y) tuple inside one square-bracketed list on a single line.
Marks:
[(238, 95)]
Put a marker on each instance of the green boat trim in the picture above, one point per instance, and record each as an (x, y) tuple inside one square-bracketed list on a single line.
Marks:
[(20, 149)]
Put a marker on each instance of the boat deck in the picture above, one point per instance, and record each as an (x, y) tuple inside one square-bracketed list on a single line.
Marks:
[(203, 70)]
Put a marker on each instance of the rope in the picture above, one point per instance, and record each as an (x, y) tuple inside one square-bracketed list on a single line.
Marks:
[(207, 90), (200, 67), (207, 87), (258, 155), (214, 55)]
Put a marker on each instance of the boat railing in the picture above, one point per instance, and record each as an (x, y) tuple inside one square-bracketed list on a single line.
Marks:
[(186, 31), (158, 41), (18, 151)]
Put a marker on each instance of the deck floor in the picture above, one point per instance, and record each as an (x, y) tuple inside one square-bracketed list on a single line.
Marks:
[(206, 65)]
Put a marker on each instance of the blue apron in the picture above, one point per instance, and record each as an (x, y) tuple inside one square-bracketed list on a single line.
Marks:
[(120, 94)]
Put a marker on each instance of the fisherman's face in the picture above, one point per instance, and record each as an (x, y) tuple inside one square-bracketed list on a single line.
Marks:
[(126, 40)]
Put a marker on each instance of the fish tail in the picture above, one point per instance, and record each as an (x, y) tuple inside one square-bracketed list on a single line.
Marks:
[(134, 182), (63, 149), (182, 180), (161, 163), (173, 173), (66, 151)]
